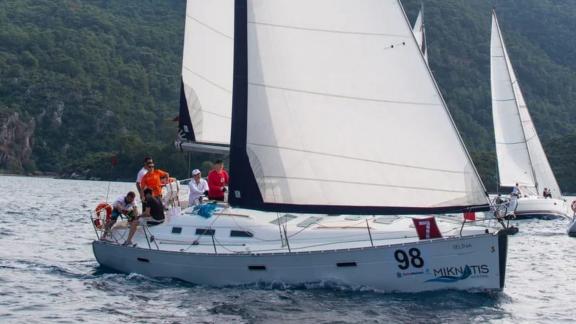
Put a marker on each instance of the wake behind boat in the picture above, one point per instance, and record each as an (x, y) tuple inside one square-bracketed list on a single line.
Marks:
[(522, 161), (337, 129)]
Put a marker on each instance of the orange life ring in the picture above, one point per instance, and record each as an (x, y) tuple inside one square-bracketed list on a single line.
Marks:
[(103, 215)]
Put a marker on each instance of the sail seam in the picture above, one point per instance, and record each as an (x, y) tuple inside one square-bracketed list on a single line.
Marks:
[(207, 80), (511, 143), (210, 27), (326, 30), (215, 114), (366, 184), (343, 96), (503, 100), (356, 159)]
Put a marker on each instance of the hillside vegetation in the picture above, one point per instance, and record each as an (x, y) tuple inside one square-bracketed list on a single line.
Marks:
[(97, 79)]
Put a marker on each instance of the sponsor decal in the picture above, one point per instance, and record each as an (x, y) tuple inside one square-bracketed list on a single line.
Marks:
[(412, 273), (454, 274)]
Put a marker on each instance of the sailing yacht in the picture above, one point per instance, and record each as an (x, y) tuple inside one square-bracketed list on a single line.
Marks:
[(338, 157), (419, 31), (521, 157)]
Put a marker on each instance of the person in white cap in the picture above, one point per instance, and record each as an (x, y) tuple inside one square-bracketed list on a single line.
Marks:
[(198, 188)]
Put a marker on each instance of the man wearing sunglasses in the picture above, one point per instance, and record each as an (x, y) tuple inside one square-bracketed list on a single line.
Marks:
[(153, 179)]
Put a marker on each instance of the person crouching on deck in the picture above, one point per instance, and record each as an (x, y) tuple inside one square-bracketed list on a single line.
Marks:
[(153, 214), (124, 205)]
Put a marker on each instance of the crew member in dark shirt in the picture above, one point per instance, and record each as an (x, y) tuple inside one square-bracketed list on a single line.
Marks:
[(152, 209), (153, 206)]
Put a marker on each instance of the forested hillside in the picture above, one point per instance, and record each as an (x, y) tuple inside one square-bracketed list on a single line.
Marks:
[(82, 81)]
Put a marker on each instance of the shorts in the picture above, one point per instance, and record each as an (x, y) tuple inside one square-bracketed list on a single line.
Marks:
[(115, 215), (130, 216)]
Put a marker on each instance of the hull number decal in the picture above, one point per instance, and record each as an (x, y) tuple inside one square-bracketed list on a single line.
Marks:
[(413, 257)]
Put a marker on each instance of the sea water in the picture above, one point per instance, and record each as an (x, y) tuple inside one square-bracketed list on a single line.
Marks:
[(48, 274)]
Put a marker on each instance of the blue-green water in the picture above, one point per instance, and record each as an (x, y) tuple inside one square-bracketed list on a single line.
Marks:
[(48, 274)]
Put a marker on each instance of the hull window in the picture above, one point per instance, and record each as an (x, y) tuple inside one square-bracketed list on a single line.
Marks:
[(234, 233), (205, 231), (346, 264)]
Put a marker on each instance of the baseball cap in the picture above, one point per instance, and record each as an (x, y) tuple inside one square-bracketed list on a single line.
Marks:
[(195, 172)]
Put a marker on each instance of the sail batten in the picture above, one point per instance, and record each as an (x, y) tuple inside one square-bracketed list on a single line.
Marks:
[(525, 164), (336, 115)]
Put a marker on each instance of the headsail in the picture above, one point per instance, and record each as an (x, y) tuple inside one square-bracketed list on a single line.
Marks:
[(521, 157), (419, 31), (323, 124), (207, 67)]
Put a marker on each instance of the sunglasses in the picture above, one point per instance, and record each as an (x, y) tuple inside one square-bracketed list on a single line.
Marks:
[(151, 165)]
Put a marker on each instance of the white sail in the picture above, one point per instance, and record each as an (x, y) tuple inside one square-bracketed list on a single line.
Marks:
[(419, 31), (521, 157), (342, 110), (207, 70)]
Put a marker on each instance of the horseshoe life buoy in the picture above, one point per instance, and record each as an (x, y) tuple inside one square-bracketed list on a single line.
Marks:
[(103, 215)]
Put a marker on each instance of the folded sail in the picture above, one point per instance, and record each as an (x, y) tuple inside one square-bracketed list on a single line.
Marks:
[(521, 157), (207, 72), (419, 31), (322, 123)]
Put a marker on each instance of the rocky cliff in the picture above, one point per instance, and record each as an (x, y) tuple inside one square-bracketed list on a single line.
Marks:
[(15, 142)]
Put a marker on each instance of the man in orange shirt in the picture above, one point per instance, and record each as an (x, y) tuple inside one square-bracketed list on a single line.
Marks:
[(153, 180)]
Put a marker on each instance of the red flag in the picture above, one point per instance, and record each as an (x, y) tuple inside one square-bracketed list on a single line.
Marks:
[(471, 216), (427, 228)]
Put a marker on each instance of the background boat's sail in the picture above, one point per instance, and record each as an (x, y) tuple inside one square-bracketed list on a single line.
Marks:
[(207, 72), (521, 158), (335, 110), (419, 31)]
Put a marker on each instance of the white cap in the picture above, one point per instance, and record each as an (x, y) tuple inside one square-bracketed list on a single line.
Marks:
[(195, 172)]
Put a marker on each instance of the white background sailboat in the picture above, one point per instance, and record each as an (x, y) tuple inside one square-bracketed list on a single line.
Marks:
[(329, 144), (521, 157), (420, 33)]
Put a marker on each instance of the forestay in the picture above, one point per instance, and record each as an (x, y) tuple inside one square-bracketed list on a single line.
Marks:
[(207, 68), (335, 110), (521, 157)]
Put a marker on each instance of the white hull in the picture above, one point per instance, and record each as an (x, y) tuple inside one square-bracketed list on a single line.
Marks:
[(529, 207), (472, 262)]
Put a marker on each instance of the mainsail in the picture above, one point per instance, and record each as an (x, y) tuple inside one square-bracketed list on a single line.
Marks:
[(338, 113), (207, 67), (521, 157), (419, 31)]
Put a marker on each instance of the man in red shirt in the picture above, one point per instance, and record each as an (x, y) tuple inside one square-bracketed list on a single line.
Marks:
[(217, 181)]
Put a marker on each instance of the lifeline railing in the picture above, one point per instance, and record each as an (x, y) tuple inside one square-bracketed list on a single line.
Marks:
[(500, 212)]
